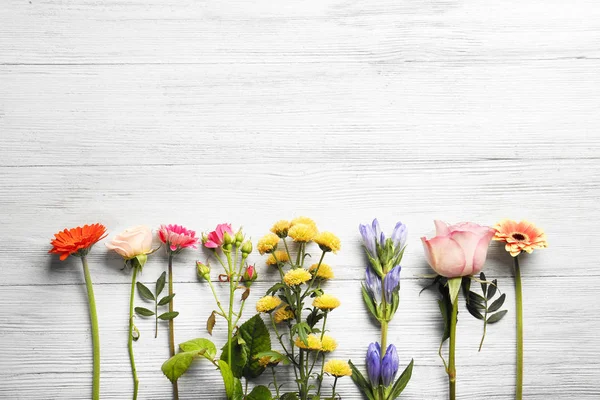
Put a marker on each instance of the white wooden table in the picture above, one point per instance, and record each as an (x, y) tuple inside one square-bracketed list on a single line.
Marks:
[(199, 112)]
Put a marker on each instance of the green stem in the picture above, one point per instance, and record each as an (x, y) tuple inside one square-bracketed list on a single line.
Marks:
[(333, 390), (451, 358), (519, 306), (95, 333), (171, 324), (232, 285), (130, 339), (275, 382)]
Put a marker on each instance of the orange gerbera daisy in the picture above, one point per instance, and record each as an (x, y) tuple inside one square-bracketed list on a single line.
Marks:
[(77, 241), (520, 236)]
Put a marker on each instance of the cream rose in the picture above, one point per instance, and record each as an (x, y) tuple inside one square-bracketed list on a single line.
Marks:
[(132, 242)]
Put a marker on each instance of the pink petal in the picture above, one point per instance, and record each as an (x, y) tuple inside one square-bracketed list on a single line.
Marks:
[(445, 256), (173, 247), (468, 242), (481, 251), (441, 228)]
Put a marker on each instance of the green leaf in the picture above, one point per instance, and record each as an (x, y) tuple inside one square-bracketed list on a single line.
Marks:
[(260, 393), (496, 317), (466, 286), (165, 300), (474, 311), (168, 315), (476, 298), (402, 381), (497, 303), (454, 287), (160, 283), (204, 347), (175, 366), (368, 301), (144, 291), (233, 386), (289, 396), (483, 284), (256, 335), (274, 355), (361, 382), (144, 312), (492, 289), (444, 309)]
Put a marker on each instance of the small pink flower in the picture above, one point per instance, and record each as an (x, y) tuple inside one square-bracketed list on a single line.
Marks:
[(215, 238), (250, 271), (458, 250), (176, 237)]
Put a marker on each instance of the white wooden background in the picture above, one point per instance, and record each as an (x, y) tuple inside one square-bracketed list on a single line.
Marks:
[(133, 112)]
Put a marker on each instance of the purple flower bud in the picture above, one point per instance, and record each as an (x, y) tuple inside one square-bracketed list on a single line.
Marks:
[(389, 365), (391, 283), (373, 282), (369, 239), (373, 362), (399, 236), (377, 232)]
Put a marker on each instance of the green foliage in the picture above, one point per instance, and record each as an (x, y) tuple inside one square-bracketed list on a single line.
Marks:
[(251, 339), (260, 393), (176, 366), (147, 294), (401, 382), (361, 382), (233, 386)]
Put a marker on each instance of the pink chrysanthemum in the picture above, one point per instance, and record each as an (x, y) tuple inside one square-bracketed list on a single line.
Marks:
[(176, 237), (215, 238)]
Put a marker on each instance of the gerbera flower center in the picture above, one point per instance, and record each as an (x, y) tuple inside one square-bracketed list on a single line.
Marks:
[(518, 236)]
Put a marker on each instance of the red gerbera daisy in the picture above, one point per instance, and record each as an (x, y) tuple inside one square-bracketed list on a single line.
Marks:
[(77, 241)]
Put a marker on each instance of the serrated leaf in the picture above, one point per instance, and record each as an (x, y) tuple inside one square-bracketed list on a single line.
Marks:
[(474, 312), (144, 291), (160, 283), (210, 323), (257, 339), (144, 312), (496, 317), (175, 366), (168, 315), (492, 289), (495, 306), (239, 356), (260, 393), (402, 381), (165, 300), (203, 347)]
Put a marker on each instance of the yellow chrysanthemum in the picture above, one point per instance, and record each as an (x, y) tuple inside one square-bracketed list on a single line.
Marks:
[(302, 233), (267, 361), (267, 304), (327, 241), (283, 314), (328, 344), (281, 228), (296, 277), (520, 236), (268, 243), (337, 368), (326, 302), (305, 221), (314, 343), (281, 255), (324, 272)]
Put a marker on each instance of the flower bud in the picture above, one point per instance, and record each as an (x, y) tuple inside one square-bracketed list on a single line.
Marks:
[(204, 238), (227, 238), (373, 362), (389, 365), (250, 275), (246, 248), (203, 271), (239, 238)]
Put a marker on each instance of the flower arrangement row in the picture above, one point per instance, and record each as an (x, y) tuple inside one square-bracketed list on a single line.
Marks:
[(297, 307)]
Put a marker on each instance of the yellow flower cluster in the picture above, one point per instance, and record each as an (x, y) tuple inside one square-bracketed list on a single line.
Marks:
[(302, 233), (296, 276), (268, 243), (267, 361), (277, 255), (283, 314), (328, 344), (313, 343), (304, 221), (324, 272), (327, 241), (337, 368), (267, 304), (281, 228), (326, 302)]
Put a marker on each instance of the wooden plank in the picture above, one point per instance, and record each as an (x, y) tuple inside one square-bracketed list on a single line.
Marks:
[(340, 31)]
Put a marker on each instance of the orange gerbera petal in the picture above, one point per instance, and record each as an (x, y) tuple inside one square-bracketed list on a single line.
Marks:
[(76, 240), (520, 236)]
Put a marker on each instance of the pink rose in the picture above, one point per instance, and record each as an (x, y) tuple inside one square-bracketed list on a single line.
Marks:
[(132, 242), (458, 250), (215, 238)]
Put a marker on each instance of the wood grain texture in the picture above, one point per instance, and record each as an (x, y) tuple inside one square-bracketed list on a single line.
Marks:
[(160, 111)]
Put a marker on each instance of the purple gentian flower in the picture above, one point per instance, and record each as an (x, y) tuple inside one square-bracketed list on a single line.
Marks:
[(389, 365), (373, 362), (369, 238), (373, 282), (391, 283), (399, 236)]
